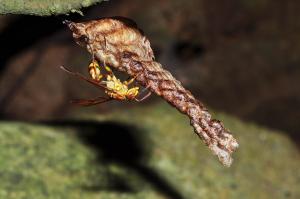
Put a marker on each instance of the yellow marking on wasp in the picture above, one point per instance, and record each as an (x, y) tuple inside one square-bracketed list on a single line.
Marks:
[(94, 70), (114, 87)]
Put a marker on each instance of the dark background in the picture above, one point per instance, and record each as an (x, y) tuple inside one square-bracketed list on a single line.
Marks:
[(238, 56)]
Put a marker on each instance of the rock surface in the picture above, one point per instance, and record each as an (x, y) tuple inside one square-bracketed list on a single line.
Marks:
[(148, 152), (44, 7)]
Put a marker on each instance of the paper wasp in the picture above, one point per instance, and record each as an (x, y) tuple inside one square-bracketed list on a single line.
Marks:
[(112, 86)]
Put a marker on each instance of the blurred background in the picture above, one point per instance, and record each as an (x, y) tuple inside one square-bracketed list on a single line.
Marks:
[(239, 57)]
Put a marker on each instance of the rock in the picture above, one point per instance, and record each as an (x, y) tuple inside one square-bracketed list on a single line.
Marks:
[(146, 152)]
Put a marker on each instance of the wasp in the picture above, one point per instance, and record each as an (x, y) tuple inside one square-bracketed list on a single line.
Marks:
[(112, 86)]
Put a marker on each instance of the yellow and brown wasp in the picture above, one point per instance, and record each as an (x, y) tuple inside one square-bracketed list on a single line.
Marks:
[(112, 86)]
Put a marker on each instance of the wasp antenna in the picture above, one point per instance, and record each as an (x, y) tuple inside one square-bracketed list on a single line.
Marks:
[(64, 68), (68, 71), (78, 75)]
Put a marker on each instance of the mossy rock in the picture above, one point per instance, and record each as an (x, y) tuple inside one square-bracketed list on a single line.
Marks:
[(148, 152), (44, 7)]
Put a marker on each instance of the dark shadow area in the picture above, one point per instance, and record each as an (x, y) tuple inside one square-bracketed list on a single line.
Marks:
[(121, 144), (115, 184), (186, 50), (25, 31), (17, 85)]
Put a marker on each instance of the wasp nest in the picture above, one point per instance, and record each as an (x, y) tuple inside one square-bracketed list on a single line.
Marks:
[(120, 44)]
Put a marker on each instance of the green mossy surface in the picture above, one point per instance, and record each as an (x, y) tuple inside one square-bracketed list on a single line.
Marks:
[(163, 158), (44, 7)]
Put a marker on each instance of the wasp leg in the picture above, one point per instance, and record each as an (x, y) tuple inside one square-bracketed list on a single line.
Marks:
[(80, 76), (105, 43), (90, 102), (130, 81), (143, 98), (108, 69), (146, 96)]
